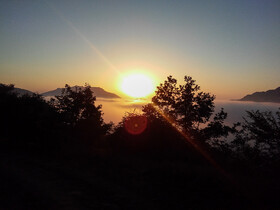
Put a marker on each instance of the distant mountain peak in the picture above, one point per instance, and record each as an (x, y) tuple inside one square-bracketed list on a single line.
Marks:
[(265, 96), (97, 91), (22, 92)]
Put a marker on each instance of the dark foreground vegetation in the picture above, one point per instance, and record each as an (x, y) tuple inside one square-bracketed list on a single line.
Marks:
[(177, 154)]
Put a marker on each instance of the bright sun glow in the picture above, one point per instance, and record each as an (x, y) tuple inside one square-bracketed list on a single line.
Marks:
[(137, 85)]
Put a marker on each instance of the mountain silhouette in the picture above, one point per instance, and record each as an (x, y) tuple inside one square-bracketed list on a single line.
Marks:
[(97, 91), (266, 96), (22, 92)]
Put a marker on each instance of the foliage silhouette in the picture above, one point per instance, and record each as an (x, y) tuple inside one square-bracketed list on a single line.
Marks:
[(175, 110), (32, 122), (77, 107), (158, 140), (155, 162), (82, 120), (27, 120), (259, 136), (188, 108)]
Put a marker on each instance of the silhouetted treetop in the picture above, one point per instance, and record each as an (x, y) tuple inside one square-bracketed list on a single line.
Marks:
[(187, 107), (25, 119), (184, 104), (77, 104), (260, 134), (78, 109), (6, 89)]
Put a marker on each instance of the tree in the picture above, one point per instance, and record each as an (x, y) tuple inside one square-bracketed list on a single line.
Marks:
[(27, 120), (77, 108), (259, 135), (6, 90), (187, 108)]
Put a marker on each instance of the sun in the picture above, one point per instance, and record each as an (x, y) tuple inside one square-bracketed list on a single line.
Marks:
[(137, 85)]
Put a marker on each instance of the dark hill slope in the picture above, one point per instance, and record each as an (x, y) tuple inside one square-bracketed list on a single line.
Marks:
[(21, 91), (266, 96), (97, 91)]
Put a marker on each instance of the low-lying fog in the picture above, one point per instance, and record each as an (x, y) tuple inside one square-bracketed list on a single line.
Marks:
[(114, 110)]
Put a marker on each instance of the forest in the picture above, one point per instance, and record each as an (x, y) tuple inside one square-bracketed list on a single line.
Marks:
[(177, 153)]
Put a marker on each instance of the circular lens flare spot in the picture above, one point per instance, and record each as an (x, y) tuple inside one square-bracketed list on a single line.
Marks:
[(135, 125)]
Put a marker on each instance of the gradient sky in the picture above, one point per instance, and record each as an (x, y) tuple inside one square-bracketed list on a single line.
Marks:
[(231, 48)]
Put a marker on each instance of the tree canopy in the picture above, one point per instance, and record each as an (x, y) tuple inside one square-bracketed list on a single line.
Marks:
[(259, 135), (78, 110), (187, 107)]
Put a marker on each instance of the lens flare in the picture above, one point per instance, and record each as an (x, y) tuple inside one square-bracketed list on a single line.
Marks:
[(136, 124)]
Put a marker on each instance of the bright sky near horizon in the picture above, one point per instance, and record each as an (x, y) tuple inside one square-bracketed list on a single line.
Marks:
[(231, 48)]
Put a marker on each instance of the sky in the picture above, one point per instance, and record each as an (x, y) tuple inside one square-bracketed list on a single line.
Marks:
[(231, 48)]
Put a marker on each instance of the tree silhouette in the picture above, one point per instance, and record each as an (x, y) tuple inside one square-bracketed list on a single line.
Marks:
[(188, 108), (6, 90), (27, 120), (77, 108), (259, 136)]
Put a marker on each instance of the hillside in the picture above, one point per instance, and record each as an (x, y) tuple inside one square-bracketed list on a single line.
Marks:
[(97, 91), (266, 96), (21, 92)]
